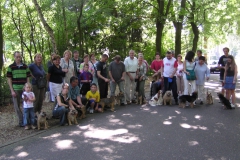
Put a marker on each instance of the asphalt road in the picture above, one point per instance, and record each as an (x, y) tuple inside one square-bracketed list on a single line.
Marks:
[(140, 133)]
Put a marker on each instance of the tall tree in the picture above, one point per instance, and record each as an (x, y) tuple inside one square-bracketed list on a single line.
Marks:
[(46, 26), (178, 24), (1, 40), (163, 11)]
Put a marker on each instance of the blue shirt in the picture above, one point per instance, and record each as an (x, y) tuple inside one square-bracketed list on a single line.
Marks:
[(73, 92), (37, 72)]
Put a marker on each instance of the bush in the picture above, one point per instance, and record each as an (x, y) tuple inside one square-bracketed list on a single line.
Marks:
[(5, 94)]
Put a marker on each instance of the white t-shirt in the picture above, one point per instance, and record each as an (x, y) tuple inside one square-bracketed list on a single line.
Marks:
[(28, 104), (131, 65), (169, 66)]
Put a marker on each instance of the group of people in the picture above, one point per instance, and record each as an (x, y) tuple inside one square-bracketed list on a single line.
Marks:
[(75, 83)]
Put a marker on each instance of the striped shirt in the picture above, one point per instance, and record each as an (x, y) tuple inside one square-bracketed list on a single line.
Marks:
[(19, 75)]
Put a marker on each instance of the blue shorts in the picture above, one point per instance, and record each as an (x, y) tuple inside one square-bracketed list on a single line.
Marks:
[(93, 101), (229, 83)]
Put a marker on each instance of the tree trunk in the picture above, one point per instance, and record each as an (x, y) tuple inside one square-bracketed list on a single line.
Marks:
[(80, 32), (46, 26), (1, 41), (65, 24), (178, 35), (196, 36), (160, 27), (163, 11), (178, 27)]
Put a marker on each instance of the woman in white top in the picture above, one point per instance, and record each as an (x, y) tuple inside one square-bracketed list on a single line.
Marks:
[(179, 75), (67, 65), (189, 64)]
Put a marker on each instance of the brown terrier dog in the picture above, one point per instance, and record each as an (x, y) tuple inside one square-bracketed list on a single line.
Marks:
[(209, 98), (167, 98), (119, 97), (83, 115), (107, 101), (42, 120), (72, 117)]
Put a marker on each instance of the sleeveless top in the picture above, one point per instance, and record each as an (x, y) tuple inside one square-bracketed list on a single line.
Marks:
[(189, 65), (230, 73)]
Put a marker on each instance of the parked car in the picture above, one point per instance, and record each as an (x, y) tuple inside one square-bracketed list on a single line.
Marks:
[(213, 63)]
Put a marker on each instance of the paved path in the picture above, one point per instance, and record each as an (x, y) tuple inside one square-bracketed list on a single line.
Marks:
[(140, 133)]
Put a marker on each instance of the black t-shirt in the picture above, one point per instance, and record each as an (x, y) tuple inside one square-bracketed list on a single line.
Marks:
[(102, 67), (222, 61), (56, 74)]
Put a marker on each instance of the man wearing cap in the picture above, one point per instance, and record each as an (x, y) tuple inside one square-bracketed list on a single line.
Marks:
[(131, 65), (102, 76), (116, 74), (168, 71)]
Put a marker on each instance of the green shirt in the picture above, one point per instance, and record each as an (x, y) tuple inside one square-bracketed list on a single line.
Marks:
[(19, 75)]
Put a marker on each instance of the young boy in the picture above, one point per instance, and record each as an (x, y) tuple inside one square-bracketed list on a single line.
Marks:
[(93, 98), (86, 79)]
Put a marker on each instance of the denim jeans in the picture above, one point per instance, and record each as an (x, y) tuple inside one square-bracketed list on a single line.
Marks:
[(61, 112), (120, 85), (28, 116)]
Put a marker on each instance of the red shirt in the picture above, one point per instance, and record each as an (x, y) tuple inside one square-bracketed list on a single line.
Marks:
[(156, 65)]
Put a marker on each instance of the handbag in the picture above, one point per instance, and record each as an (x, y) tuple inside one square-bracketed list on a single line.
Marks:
[(41, 82), (191, 76)]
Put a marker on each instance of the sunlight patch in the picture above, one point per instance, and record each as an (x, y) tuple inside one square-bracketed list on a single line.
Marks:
[(130, 115), (53, 136), (22, 154), (178, 112), (99, 149), (167, 122), (119, 135), (137, 126), (114, 120), (154, 112), (75, 133), (18, 148), (187, 126), (184, 125), (193, 143), (65, 144), (198, 117)]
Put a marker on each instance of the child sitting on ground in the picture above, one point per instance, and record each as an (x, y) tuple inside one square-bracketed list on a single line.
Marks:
[(93, 98), (28, 110), (85, 79)]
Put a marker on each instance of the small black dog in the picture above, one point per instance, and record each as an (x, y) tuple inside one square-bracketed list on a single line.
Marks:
[(224, 101), (184, 98)]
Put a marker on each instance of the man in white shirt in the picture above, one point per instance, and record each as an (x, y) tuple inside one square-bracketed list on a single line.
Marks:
[(169, 69), (131, 65)]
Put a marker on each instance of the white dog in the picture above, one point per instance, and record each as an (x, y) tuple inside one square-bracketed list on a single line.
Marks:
[(157, 99)]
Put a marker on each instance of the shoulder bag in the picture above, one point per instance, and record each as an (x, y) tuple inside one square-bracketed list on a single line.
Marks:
[(191, 76)]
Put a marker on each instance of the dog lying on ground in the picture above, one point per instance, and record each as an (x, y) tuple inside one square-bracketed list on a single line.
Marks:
[(157, 99), (72, 117), (224, 101), (107, 101), (118, 98), (167, 98), (187, 98), (209, 98), (42, 120)]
